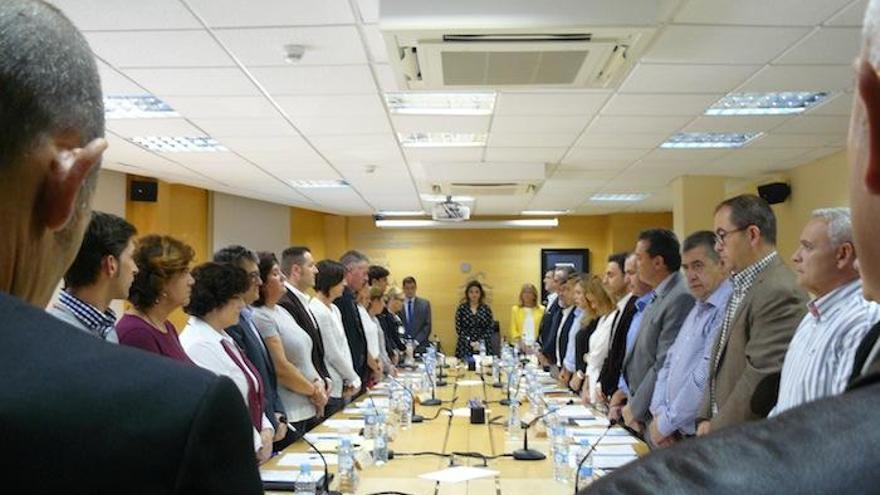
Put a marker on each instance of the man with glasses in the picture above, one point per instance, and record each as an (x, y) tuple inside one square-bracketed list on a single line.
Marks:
[(763, 313), (248, 339)]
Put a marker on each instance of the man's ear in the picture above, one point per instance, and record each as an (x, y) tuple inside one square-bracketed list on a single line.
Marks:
[(67, 174), (869, 92)]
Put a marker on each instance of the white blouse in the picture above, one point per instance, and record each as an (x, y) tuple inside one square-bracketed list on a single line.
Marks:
[(277, 322), (371, 332), (202, 343), (600, 343), (337, 355)]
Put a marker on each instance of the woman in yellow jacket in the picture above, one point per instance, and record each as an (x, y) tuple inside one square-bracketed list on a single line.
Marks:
[(525, 317)]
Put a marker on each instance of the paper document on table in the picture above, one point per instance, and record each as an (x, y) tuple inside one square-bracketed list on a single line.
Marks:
[(469, 383), (332, 436), (465, 412), (612, 461), (458, 474), (586, 423), (575, 411), (607, 449), (312, 459), (343, 424), (289, 476)]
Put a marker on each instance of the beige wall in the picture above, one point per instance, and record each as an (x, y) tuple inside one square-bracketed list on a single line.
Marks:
[(256, 224)]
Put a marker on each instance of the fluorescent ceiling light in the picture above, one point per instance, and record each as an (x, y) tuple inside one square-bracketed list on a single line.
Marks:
[(179, 144), (401, 213), (528, 223), (783, 103), (545, 212), (619, 197), (318, 184), (710, 139), (137, 107), (441, 139), (440, 103), (439, 198)]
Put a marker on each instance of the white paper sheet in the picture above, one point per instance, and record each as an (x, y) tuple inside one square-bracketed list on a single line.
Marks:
[(311, 458), (588, 423), (344, 424), (458, 474), (607, 449), (612, 461), (287, 476), (576, 411), (469, 383)]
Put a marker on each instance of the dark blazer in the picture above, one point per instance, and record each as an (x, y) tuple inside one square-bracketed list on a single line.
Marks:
[(354, 332), (609, 377), (864, 351), (658, 329), (421, 321), (582, 344), (301, 315), (391, 325), (259, 356), (747, 376), (81, 415), (826, 446), (549, 326)]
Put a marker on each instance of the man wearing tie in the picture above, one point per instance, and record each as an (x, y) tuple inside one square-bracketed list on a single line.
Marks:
[(416, 315)]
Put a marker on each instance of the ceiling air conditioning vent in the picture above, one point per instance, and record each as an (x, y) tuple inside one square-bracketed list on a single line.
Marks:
[(486, 189), (468, 45)]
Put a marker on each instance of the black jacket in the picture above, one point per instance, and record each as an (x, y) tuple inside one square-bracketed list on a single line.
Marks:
[(80, 415), (391, 324), (609, 377), (259, 356), (301, 316), (354, 331)]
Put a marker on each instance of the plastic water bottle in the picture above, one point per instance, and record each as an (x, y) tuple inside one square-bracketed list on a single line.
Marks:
[(390, 419), (577, 450), (559, 449), (348, 477), (514, 426), (482, 352), (380, 446), (404, 411), (305, 482), (585, 473), (496, 371), (370, 420), (552, 420)]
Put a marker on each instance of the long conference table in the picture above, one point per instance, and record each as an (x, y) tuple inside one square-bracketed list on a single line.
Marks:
[(448, 434)]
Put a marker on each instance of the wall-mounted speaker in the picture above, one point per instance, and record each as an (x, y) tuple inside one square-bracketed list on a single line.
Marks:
[(775, 192), (143, 190)]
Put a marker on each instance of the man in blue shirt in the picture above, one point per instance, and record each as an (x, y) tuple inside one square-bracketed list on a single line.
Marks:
[(681, 381)]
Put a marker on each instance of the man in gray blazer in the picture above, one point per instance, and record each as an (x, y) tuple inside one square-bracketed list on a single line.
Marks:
[(659, 260), (415, 315)]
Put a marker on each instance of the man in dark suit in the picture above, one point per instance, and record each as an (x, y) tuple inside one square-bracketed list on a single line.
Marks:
[(658, 254), (356, 266), (298, 266), (80, 414), (620, 267), (248, 338), (415, 315), (552, 317)]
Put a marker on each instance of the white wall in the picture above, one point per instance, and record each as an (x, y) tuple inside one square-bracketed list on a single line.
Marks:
[(111, 193), (255, 224)]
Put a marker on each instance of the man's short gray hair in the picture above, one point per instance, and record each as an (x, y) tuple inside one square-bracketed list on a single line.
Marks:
[(352, 257), (839, 223)]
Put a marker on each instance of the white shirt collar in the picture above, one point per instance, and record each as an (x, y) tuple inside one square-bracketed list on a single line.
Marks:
[(198, 330), (621, 305)]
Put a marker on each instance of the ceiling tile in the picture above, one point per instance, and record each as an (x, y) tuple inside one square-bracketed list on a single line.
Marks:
[(659, 105), (590, 176), (437, 123), (506, 205), (159, 49), (236, 13), (124, 16), (332, 106), (825, 46), (663, 78), (153, 127), (443, 154), (594, 166), (324, 45), (273, 149), (747, 161), (817, 154), (293, 169), (668, 158), (801, 141), (840, 104), (484, 172), (722, 44), (530, 140), (214, 107), (620, 140), (735, 123), (800, 78), (852, 16), (194, 82), (359, 148), (139, 160), (347, 79), (576, 155), (606, 124), (814, 124), (568, 103), (551, 155), (376, 48), (361, 124), (238, 127), (116, 84), (759, 12), (369, 10), (542, 124), (386, 79)]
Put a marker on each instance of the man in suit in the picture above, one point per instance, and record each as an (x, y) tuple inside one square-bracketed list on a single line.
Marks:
[(622, 282), (78, 413), (356, 265), (298, 266), (248, 339), (415, 315), (827, 446), (551, 320), (659, 260), (759, 322)]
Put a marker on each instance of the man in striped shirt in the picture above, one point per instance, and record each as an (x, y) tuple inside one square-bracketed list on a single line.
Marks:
[(820, 358)]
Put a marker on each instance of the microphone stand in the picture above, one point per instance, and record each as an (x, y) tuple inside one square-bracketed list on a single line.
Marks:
[(508, 400), (525, 453), (325, 486), (433, 401), (577, 471), (416, 418)]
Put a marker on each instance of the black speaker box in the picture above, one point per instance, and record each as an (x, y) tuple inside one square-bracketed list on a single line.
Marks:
[(143, 190), (775, 192)]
